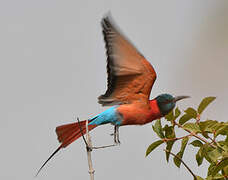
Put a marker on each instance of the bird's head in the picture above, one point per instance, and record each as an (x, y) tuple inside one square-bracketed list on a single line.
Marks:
[(167, 102)]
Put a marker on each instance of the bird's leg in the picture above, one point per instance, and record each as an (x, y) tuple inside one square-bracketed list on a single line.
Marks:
[(116, 135), (116, 139)]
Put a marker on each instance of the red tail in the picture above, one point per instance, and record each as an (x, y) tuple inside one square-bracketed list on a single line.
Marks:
[(70, 132), (67, 134)]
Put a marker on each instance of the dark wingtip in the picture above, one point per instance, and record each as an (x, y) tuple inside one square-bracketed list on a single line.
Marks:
[(107, 16), (48, 160), (108, 24)]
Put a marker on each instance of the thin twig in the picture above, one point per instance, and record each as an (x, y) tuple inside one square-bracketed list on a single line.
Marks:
[(101, 147), (177, 138), (194, 176), (198, 118), (82, 133), (88, 144), (212, 139)]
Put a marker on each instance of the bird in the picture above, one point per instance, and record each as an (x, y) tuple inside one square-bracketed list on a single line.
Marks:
[(129, 83)]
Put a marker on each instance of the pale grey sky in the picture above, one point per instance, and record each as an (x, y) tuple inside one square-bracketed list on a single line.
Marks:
[(52, 68)]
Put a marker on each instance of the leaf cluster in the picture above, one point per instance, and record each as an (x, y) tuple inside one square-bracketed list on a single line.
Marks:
[(209, 137)]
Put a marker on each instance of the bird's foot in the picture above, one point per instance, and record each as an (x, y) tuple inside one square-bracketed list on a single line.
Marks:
[(117, 141)]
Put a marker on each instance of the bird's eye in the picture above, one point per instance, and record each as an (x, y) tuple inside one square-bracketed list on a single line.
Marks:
[(166, 101)]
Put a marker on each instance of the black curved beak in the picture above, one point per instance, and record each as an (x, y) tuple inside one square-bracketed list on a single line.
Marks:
[(178, 98)]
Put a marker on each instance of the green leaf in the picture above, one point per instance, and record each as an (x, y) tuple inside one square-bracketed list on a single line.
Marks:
[(185, 118), (153, 146), (205, 134), (177, 113), (210, 169), (223, 144), (191, 112), (169, 148), (169, 132), (196, 143), (192, 127), (199, 178), (219, 126), (226, 140), (206, 149), (225, 171), (216, 177), (215, 154), (184, 143), (170, 116), (204, 103), (211, 126), (177, 161), (207, 126), (199, 156), (221, 148), (223, 163), (223, 130), (158, 129)]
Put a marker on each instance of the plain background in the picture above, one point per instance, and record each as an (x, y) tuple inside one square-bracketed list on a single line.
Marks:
[(52, 68)]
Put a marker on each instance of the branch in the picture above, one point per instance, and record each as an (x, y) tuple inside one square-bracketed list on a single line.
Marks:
[(89, 150), (194, 176), (88, 144), (195, 135), (198, 118), (177, 138)]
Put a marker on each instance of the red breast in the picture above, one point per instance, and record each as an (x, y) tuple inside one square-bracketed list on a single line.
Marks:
[(138, 113)]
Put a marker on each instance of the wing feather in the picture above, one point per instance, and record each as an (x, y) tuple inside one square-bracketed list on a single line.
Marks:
[(130, 75)]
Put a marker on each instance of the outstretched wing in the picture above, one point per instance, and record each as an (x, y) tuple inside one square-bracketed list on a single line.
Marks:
[(130, 75)]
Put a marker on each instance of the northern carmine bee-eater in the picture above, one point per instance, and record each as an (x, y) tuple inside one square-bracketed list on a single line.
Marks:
[(130, 79)]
